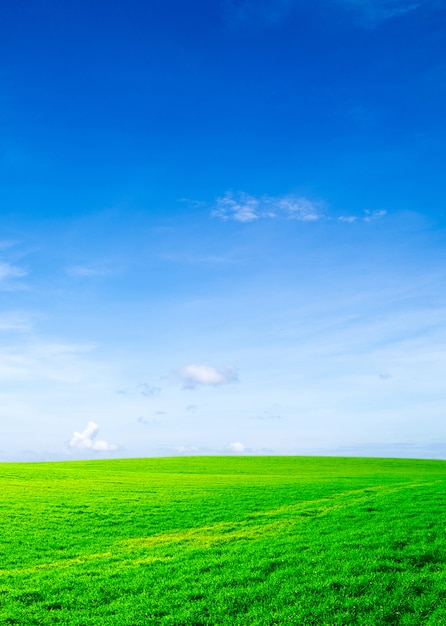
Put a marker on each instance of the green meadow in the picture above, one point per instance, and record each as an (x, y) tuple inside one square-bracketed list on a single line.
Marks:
[(223, 540)]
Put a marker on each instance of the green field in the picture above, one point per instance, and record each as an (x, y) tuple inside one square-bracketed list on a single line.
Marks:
[(223, 540)]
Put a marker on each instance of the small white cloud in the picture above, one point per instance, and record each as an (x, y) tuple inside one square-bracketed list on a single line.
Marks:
[(237, 447), (242, 207), (86, 440), (193, 375)]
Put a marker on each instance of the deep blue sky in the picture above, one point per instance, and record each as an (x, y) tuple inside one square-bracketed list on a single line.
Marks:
[(236, 206)]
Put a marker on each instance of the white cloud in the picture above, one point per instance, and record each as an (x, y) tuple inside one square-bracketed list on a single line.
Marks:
[(238, 447), (86, 440), (193, 375), (241, 207)]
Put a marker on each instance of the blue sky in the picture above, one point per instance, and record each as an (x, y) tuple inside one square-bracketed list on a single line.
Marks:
[(223, 228)]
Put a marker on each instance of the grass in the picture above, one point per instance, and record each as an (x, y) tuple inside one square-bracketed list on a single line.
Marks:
[(223, 541)]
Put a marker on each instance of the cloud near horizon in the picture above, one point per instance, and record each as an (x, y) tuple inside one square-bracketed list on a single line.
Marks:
[(195, 375), (237, 446), (86, 440)]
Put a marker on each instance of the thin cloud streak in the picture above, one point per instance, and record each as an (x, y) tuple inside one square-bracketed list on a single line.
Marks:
[(14, 322)]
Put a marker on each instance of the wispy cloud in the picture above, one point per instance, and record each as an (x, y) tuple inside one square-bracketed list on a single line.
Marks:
[(373, 12), (193, 376), (242, 207), (46, 361), (367, 216), (8, 271), (14, 322), (86, 440)]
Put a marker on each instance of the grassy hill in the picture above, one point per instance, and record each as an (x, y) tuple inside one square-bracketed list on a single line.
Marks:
[(223, 540)]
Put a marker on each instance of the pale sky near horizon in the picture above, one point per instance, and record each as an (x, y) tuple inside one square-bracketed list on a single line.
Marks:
[(223, 228)]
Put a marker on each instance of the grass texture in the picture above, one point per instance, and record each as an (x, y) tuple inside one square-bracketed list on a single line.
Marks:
[(223, 541)]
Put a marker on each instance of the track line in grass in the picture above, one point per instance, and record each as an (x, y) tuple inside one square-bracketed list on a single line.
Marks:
[(255, 526)]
